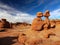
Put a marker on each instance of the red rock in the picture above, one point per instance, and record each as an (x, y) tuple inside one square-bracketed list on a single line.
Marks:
[(46, 21), (22, 38), (52, 24), (47, 13), (37, 22)]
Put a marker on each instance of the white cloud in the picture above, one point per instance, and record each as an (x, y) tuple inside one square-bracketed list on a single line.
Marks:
[(55, 14), (12, 15)]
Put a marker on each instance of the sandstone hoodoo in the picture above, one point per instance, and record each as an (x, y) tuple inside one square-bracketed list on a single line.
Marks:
[(40, 30), (46, 21), (37, 23)]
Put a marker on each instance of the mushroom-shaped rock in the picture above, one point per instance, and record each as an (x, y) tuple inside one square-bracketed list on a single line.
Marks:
[(37, 23), (47, 13), (46, 21), (40, 14)]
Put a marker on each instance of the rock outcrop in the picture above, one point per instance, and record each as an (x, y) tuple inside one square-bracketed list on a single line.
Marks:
[(4, 24), (46, 21), (52, 24), (39, 30), (22, 38), (42, 32), (37, 22)]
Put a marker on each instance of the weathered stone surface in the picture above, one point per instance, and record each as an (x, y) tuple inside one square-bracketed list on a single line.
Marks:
[(47, 13), (36, 37), (1, 24), (37, 22), (5, 23), (39, 14), (46, 21), (52, 24), (22, 38), (33, 41)]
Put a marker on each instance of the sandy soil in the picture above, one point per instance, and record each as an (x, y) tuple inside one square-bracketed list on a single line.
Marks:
[(10, 36)]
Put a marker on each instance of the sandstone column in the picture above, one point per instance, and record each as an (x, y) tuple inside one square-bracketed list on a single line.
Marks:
[(46, 21), (37, 22)]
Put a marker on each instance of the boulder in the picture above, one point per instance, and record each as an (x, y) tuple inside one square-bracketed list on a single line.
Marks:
[(52, 24), (37, 23), (22, 38), (46, 21)]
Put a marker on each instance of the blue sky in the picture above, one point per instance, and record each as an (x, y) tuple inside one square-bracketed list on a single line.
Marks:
[(25, 10)]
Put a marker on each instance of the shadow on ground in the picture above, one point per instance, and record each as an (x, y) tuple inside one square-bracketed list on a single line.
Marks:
[(8, 40)]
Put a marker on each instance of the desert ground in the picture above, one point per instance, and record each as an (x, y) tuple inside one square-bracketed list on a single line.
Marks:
[(10, 36)]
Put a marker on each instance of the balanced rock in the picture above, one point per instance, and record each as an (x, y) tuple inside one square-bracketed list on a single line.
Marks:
[(37, 22), (39, 14), (47, 13), (46, 21)]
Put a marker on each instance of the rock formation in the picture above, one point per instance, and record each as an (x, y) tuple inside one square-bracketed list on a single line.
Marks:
[(4, 24), (1, 25), (52, 24), (35, 35), (31, 34), (22, 38), (46, 21), (37, 22)]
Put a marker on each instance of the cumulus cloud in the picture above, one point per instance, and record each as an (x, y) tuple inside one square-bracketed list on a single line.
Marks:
[(13, 15), (55, 14)]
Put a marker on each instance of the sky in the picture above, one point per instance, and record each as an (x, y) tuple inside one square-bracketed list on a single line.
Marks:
[(25, 10)]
